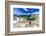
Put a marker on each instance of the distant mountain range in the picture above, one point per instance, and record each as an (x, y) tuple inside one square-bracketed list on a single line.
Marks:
[(25, 11)]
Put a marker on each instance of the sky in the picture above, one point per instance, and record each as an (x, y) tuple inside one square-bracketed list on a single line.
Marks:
[(25, 11)]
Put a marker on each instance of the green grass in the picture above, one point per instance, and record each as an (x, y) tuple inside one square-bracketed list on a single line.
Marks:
[(32, 17)]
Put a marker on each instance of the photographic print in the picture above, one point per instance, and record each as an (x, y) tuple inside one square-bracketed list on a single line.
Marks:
[(25, 17)]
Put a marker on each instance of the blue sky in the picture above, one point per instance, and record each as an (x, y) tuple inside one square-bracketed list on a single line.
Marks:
[(25, 11)]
